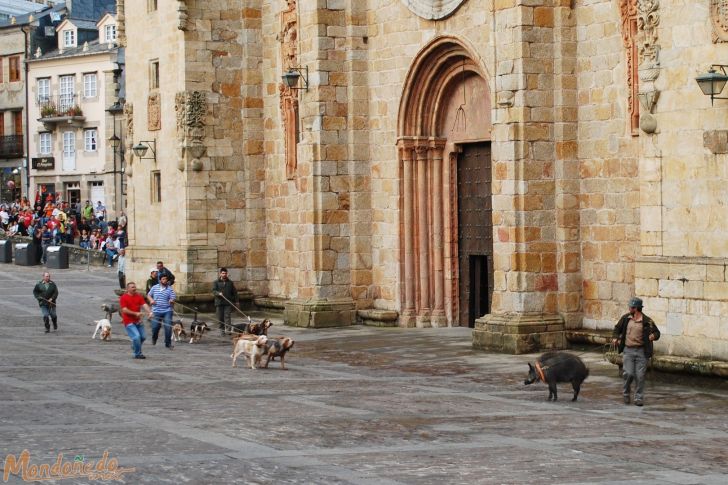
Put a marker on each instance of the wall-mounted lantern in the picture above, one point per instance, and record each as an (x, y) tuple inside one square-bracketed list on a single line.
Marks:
[(713, 82), (140, 149), (291, 77)]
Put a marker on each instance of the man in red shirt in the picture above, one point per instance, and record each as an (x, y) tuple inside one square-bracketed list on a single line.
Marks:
[(131, 304)]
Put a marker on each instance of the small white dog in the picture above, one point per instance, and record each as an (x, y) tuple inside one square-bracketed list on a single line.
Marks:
[(252, 349), (103, 325)]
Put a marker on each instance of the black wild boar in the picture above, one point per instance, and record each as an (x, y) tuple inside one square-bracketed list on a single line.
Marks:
[(553, 367)]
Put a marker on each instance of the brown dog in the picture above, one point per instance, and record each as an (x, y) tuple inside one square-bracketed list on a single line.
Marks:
[(178, 331), (278, 347), (252, 328)]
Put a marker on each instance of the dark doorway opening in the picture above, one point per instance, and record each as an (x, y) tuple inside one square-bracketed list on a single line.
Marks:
[(475, 232), (479, 303)]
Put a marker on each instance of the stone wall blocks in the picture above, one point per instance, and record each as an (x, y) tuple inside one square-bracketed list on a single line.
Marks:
[(715, 273), (671, 288), (715, 291), (646, 287), (674, 324)]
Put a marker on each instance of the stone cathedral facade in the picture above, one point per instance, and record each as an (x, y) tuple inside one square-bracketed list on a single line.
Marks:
[(520, 166)]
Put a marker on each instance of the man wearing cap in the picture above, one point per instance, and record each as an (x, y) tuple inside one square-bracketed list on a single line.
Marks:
[(152, 280), (634, 334)]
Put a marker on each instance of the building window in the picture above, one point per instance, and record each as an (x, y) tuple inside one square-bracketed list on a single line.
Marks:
[(2, 123), (89, 140), (18, 122), (46, 144), (89, 85), (110, 33), (69, 150), (44, 90), (1, 69), (67, 96), (69, 38), (151, 5), (156, 195), (154, 74), (14, 68)]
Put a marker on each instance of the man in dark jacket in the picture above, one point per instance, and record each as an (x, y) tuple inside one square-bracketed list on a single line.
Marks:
[(162, 271), (46, 292), (634, 334), (225, 293)]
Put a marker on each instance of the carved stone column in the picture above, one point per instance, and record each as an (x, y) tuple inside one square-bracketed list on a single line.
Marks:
[(438, 237), (408, 313), (423, 249)]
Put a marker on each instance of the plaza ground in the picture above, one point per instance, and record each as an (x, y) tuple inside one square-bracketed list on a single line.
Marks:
[(358, 405)]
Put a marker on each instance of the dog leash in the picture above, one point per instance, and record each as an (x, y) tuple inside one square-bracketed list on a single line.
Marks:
[(235, 307), (212, 320)]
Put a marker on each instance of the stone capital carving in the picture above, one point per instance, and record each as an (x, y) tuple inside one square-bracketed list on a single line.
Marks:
[(182, 14), (433, 9)]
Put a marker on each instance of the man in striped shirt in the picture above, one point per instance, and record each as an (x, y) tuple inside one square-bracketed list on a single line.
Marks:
[(162, 297)]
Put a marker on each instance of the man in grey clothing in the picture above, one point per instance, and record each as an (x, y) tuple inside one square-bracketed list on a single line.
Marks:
[(225, 293)]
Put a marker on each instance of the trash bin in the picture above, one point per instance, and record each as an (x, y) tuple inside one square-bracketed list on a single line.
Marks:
[(25, 254), (57, 257), (6, 251)]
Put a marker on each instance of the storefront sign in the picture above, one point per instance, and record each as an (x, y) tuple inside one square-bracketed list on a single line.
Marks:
[(46, 163)]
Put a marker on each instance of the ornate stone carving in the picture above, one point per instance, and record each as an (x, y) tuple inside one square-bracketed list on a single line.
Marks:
[(179, 109), (129, 119), (191, 109), (628, 13), (648, 20), (154, 112), (182, 14), (289, 97), (719, 20), (433, 9)]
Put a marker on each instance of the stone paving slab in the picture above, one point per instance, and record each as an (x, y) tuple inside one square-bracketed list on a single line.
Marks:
[(358, 405)]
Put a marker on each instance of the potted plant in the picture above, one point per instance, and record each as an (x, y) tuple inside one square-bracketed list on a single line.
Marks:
[(75, 111), (47, 111)]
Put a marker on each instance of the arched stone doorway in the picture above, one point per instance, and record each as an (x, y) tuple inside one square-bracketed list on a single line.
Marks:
[(444, 119)]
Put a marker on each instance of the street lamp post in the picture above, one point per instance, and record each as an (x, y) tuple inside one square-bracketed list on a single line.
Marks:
[(117, 147)]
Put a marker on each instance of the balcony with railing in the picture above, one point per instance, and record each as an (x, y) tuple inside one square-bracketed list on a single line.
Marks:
[(11, 146), (63, 108)]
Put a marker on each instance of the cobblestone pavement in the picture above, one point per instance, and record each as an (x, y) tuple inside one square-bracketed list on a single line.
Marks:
[(358, 405)]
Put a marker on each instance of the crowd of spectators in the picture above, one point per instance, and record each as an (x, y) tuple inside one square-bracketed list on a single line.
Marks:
[(55, 221)]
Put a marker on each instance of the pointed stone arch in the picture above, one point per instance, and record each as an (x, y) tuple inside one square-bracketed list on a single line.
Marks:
[(428, 145)]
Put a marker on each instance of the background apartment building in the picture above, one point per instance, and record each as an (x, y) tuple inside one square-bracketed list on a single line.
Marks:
[(74, 111), (12, 113)]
